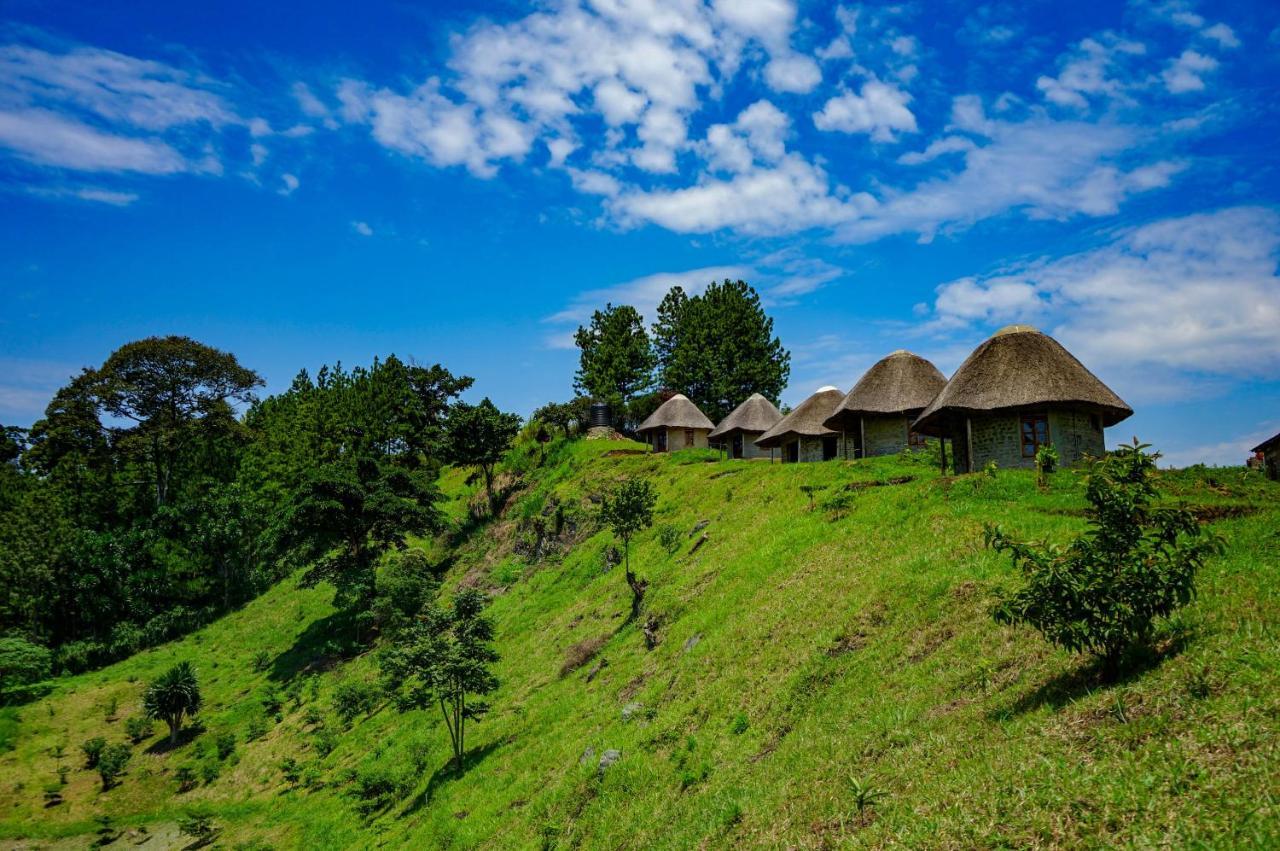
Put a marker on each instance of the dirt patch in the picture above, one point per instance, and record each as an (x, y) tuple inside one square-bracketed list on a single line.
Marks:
[(847, 642), (879, 483), (771, 745), (929, 644), (1212, 513), (581, 653), (724, 473), (632, 688), (966, 590), (618, 453)]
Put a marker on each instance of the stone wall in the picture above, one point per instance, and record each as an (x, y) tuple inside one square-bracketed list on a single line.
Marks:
[(998, 437), (884, 435), (676, 439)]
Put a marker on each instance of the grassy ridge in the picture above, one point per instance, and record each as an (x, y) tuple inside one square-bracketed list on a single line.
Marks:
[(802, 653)]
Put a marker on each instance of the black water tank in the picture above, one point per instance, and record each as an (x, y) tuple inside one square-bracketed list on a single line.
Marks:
[(600, 415)]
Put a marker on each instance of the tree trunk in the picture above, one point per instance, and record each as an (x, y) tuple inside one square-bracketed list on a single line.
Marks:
[(637, 584), (488, 485), (175, 726)]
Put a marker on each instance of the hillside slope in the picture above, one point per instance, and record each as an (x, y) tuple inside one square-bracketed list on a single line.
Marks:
[(802, 654)]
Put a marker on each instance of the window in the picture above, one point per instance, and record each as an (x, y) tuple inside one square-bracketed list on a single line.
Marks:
[(830, 446), (1096, 422), (1035, 433), (688, 437)]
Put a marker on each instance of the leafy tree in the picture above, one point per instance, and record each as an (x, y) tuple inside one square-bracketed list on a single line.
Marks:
[(615, 360), (566, 415), (92, 749), (165, 384), (404, 585), (1103, 592), (111, 763), (445, 660), (22, 664), (346, 515), (628, 510), (479, 436), (173, 695), (718, 348)]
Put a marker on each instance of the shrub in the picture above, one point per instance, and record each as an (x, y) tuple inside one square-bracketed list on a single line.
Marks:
[(261, 661), (324, 741), (256, 729), (138, 728), (111, 763), (186, 777), (93, 749), (272, 703), (109, 708), (290, 770), (22, 663), (225, 744), (209, 772), (1046, 459), (810, 491), (670, 537), (739, 724), (173, 695), (199, 826), (352, 698), (864, 795), (1135, 563)]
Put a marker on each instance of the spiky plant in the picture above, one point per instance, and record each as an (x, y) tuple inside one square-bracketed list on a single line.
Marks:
[(171, 697)]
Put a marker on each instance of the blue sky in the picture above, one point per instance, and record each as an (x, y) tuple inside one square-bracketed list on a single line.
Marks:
[(463, 183)]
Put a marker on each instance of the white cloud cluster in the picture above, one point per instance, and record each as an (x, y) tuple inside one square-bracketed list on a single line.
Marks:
[(96, 110), (635, 65), (1088, 72), (1186, 73), (1190, 295), (879, 109)]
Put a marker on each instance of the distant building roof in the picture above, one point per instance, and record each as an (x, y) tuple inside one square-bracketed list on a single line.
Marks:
[(1268, 444), (900, 383), (756, 415), (805, 421), (676, 412)]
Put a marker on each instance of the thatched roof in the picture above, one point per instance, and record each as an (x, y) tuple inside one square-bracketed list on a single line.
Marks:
[(1267, 445), (898, 384), (676, 412), (756, 415), (805, 421), (1018, 367)]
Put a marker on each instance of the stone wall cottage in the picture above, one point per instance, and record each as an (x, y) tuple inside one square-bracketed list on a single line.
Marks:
[(801, 435), (875, 418), (1270, 450), (677, 424), (1018, 391), (738, 432)]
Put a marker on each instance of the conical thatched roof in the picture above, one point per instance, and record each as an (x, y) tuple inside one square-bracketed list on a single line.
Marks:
[(1018, 367), (756, 415), (805, 421), (676, 412), (897, 384)]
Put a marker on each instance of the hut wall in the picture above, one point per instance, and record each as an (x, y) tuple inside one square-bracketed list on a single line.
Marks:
[(676, 439), (998, 437), (885, 435), (1271, 462)]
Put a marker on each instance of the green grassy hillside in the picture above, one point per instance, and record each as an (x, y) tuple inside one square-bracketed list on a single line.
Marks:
[(802, 654)]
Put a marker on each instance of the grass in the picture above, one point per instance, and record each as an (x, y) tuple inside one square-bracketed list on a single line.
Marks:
[(824, 678)]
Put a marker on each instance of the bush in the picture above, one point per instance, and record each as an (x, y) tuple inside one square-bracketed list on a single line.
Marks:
[(93, 749), (22, 664), (77, 656), (225, 744), (352, 698), (670, 537), (138, 728), (199, 826), (186, 777), (111, 763), (174, 694), (261, 661), (324, 741), (1103, 592), (290, 770), (256, 729), (1046, 459), (272, 703), (209, 772)]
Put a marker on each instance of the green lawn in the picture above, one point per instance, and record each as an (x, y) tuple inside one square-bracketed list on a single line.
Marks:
[(802, 654)]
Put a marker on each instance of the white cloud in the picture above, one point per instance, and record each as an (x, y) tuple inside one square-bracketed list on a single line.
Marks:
[(93, 194), (288, 183), (95, 110), (1049, 169), (1184, 296), (1185, 74), (1086, 72), (1222, 453), (879, 109), (1223, 35), (362, 228), (793, 73), (791, 196), (938, 148)]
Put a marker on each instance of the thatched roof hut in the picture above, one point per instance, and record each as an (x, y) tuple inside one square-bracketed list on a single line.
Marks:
[(677, 424), (805, 421), (900, 384), (676, 412), (1018, 390), (756, 415), (738, 431), (1270, 452)]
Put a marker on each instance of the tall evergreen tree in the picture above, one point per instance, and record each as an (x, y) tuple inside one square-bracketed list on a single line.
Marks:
[(718, 348), (615, 362)]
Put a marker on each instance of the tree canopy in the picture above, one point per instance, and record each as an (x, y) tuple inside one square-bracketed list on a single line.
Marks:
[(615, 359)]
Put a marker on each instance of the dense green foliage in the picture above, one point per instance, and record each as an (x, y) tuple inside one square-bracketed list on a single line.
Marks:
[(479, 436), (718, 348), (1104, 591), (615, 362), (175, 694), (142, 505)]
